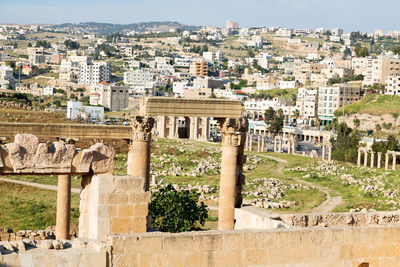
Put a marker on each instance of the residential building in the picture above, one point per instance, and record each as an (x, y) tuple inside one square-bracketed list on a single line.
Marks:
[(6, 74), (139, 77), (199, 68), (307, 102), (332, 98), (108, 96), (393, 85), (74, 110), (94, 73)]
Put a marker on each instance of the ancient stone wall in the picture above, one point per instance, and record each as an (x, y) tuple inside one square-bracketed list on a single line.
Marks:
[(112, 204), (345, 246)]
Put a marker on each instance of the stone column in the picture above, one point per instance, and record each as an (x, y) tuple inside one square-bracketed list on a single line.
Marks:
[(63, 206), (294, 146), (386, 161), (275, 144), (329, 153), (379, 160), (359, 158), (139, 152), (206, 128), (174, 130), (251, 143), (394, 162), (247, 142), (323, 152), (194, 128), (280, 144), (372, 159), (233, 134), (365, 158), (262, 144), (258, 143), (161, 126), (289, 146)]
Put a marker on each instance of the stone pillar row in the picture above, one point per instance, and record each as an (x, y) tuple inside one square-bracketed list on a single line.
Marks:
[(167, 127), (379, 159)]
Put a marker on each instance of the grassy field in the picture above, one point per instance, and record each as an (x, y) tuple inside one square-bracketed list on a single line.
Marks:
[(375, 105), (13, 115), (29, 208)]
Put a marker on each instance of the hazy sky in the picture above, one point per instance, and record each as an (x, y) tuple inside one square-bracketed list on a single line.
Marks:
[(363, 15)]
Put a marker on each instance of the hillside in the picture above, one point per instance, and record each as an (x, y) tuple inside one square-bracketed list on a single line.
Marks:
[(109, 28), (374, 104)]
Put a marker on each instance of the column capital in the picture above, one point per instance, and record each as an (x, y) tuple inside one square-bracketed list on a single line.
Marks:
[(233, 129), (141, 128)]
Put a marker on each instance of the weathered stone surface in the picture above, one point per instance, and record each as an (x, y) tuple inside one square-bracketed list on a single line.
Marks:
[(58, 244), (103, 160), (46, 244)]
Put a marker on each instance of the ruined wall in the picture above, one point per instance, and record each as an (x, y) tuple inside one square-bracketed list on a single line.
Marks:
[(345, 246), (112, 204)]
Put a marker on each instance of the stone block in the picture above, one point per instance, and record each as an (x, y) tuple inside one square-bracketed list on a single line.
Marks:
[(195, 259), (255, 256), (120, 225), (140, 210), (228, 258), (207, 241), (125, 211), (116, 198), (232, 241), (178, 241), (139, 225)]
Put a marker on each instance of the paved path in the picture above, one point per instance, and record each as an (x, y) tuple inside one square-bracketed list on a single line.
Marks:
[(328, 205), (42, 186)]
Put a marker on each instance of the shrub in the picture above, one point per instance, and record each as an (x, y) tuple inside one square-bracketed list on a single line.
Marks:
[(176, 211)]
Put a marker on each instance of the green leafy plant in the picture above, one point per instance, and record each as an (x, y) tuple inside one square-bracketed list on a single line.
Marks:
[(176, 211)]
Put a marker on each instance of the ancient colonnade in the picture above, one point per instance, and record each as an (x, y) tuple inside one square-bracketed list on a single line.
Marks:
[(369, 158), (198, 128)]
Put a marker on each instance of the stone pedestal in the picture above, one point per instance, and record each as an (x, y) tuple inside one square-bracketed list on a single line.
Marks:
[(63, 207), (112, 205), (139, 153), (233, 136)]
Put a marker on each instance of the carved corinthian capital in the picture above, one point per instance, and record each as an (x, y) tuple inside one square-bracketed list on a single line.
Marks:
[(141, 128), (233, 130)]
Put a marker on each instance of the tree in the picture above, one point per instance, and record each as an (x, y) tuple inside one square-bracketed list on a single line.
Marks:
[(176, 211), (72, 44), (361, 51), (43, 43), (274, 120), (345, 146), (356, 123), (396, 50), (378, 129)]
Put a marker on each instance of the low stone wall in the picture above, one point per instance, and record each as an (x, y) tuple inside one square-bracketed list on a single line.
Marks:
[(54, 253), (341, 219), (345, 246)]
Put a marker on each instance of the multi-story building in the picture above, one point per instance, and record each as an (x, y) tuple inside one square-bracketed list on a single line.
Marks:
[(94, 73), (376, 70), (393, 85), (138, 77), (36, 55), (232, 25), (307, 102), (199, 68), (255, 109), (111, 97), (6, 74), (332, 98)]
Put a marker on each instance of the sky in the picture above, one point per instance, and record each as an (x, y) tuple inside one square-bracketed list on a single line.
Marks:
[(350, 15)]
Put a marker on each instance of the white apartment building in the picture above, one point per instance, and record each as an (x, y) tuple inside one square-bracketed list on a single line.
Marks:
[(284, 32), (178, 88), (74, 110), (256, 108), (376, 70), (393, 85), (94, 73), (307, 102), (183, 62), (111, 97), (287, 84), (48, 90), (332, 98), (6, 73), (138, 77)]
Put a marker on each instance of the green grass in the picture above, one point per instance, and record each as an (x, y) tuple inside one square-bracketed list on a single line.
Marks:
[(373, 104), (29, 208)]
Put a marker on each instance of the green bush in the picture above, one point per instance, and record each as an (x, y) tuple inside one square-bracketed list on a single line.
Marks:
[(176, 211)]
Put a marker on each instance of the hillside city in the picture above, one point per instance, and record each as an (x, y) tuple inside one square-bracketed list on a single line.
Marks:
[(229, 144)]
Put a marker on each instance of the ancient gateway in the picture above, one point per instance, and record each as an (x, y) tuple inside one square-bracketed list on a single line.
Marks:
[(114, 214)]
